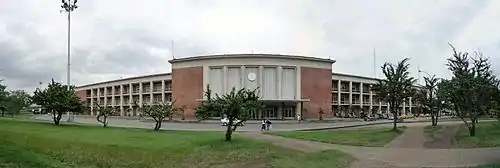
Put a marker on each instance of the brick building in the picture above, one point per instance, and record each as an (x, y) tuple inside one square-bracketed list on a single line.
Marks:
[(288, 85)]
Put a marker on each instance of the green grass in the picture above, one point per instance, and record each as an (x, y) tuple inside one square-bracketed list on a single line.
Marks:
[(497, 165), (374, 137), (487, 135), (28, 144)]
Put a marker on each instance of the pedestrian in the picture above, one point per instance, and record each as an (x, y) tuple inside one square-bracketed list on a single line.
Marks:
[(268, 125), (263, 128)]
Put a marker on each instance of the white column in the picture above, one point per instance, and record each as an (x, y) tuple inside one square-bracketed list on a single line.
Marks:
[(338, 92), (350, 93), (92, 96), (162, 90), (224, 80), (105, 96), (279, 70), (404, 107), (151, 86), (261, 79), (140, 94), (130, 98), (361, 101), (411, 105), (371, 100), (113, 100), (121, 101)]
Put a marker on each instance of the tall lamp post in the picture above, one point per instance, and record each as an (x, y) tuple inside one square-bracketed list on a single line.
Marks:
[(69, 6)]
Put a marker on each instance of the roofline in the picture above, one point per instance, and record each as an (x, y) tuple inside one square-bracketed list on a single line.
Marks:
[(356, 76), (205, 57), (118, 80)]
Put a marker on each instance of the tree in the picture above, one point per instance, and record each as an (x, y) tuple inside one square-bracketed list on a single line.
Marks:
[(103, 113), (57, 99), (472, 88), (160, 111), (237, 104), (427, 97), (24, 97), (16, 101), (397, 86), (3, 98)]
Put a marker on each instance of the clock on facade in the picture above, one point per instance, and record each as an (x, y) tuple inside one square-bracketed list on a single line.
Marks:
[(252, 76)]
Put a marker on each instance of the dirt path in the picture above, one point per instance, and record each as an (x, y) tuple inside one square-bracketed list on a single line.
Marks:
[(372, 157), (413, 137), (443, 138)]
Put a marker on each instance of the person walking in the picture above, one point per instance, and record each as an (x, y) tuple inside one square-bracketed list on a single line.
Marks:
[(268, 125), (263, 128)]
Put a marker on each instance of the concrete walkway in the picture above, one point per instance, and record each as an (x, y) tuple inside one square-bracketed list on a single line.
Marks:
[(412, 137), (391, 157)]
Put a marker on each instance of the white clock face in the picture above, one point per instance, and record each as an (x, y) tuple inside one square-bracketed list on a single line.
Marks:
[(252, 76)]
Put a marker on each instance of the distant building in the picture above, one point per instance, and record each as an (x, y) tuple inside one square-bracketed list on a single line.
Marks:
[(289, 86)]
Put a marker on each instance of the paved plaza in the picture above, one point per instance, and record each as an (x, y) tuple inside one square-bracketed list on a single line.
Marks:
[(214, 126)]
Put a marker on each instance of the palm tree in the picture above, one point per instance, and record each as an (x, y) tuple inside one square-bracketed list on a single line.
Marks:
[(397, 86)]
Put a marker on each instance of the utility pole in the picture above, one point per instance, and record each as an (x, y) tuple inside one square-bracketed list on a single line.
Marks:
[(173, 53), (69, 6), (374, 63)]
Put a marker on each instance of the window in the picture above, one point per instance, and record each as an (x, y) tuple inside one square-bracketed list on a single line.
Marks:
[(288, 112), (270, 112)]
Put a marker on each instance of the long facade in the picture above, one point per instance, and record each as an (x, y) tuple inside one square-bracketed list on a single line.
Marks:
[(290, 87)]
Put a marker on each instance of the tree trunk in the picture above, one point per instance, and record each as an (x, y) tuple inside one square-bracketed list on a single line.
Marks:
[(158, 125), (3, 113), (56, 117), (437, 118), (472, 129), (433, 118), (395, 123), (229, 131), (105, 123)]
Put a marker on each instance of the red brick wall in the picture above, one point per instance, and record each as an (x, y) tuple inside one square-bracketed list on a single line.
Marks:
[(316, 85), (187, 86), (82, 94)]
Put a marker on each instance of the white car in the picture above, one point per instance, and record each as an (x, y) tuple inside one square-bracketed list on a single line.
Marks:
[(225, 122)]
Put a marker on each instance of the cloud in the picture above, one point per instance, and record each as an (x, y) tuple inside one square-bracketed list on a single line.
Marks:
[(122, 38)]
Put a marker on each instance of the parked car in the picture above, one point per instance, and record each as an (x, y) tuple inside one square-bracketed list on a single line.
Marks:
[(225, 122)]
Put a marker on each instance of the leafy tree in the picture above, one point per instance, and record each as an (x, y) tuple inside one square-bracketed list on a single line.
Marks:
[(473, 87), (103, 113), (16, 101), (160, 111), (24, 97), (397, 86), (427, 97), (57, 99), (3, 98), (237, 104)]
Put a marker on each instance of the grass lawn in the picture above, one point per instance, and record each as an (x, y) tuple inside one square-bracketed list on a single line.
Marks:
[(487, 135), (374, 137), (29, 144), (489, 166)]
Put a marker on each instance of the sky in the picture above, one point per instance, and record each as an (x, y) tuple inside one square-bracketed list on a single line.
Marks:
[(113, 39)]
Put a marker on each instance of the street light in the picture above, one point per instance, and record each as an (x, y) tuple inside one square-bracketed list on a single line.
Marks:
[(69, 6)]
